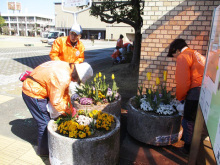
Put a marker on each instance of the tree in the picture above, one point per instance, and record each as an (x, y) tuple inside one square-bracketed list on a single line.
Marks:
[(128, 12), (2, 23)]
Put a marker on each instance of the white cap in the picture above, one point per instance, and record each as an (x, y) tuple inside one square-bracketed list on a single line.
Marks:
[(84, 71), (76, 28)]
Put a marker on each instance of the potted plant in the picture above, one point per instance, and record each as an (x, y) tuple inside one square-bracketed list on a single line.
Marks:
[(152, 117), (98, 95), (85, 138)]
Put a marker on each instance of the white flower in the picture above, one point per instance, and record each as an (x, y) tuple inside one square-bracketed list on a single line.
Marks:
[(162, 109), (84, 120), (145, 105)]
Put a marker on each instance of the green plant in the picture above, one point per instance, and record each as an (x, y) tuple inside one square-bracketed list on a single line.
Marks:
[(98, 90)]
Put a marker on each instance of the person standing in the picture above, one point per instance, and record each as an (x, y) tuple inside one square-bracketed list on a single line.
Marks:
[(69, 48), (189, 74), (119, 43), (49, 82)]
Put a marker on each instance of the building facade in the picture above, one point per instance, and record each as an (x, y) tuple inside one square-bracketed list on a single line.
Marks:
[(92, 25), (28, 24)]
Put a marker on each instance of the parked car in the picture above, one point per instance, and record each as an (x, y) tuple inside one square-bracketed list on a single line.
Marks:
[(44, 37), (54, 35)]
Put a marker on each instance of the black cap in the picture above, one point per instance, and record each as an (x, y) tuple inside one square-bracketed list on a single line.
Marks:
[(177, 44)]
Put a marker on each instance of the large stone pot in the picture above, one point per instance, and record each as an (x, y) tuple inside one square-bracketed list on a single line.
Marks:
[(113, 108), (152, 128), (93, 151)]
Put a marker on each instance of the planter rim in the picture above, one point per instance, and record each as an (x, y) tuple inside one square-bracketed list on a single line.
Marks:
[(117, 127), (153, 113), (119, 99)]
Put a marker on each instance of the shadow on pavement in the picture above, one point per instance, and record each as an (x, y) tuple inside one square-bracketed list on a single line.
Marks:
[(34, 61), (26, 129), (132, 151)]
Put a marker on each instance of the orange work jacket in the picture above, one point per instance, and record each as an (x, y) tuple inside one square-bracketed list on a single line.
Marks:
[(189, 72), (52, 81), (64, 51), (116, 54)]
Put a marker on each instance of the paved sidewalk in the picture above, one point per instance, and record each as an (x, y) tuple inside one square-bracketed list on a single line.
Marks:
[(17, 152)]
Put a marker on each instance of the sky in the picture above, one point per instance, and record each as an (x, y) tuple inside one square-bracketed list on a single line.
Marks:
[(42, 7)]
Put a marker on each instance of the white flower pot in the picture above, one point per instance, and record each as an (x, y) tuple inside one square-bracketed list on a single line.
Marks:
[(89, 151), (152, 128)]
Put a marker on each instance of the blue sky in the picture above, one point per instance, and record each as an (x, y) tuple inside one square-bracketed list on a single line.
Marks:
[(43, 7)]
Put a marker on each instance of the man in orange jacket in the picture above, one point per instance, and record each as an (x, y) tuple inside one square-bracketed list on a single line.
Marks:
[(189, 74), (49, 82), (70, 48)]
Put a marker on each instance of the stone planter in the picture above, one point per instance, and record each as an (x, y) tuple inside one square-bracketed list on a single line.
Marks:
[(93, 151), (153, 129), (113, 108)]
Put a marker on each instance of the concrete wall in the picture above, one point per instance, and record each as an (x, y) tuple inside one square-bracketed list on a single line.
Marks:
[(166, 20)]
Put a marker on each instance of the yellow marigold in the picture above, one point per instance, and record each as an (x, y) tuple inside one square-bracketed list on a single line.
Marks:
[(71, 134)]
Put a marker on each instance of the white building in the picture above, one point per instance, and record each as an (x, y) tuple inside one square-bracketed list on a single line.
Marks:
[(28, 24)]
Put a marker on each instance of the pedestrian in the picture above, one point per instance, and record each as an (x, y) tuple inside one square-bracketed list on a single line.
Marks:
[(92, 39), (99, 35), (49, 82), (69, 49), (119, 43), (189, 74)]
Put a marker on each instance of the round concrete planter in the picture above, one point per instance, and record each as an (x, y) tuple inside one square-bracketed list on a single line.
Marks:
[(113, 108), (93, 151), (152, 128)]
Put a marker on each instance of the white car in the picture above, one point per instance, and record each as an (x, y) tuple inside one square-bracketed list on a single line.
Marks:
[(54, 35)]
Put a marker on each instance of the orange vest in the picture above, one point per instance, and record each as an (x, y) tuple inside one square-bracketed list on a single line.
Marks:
[(189, 72), (119, 43), (115, 54), (53, 79), (64, 51)]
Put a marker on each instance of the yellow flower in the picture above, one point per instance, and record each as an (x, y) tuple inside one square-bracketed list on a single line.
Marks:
[(104, 77), (100, 74), (164, 75), (113, 76), (157, 80), (97, 75), (94, 79), (148, 76), (149, 91)]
